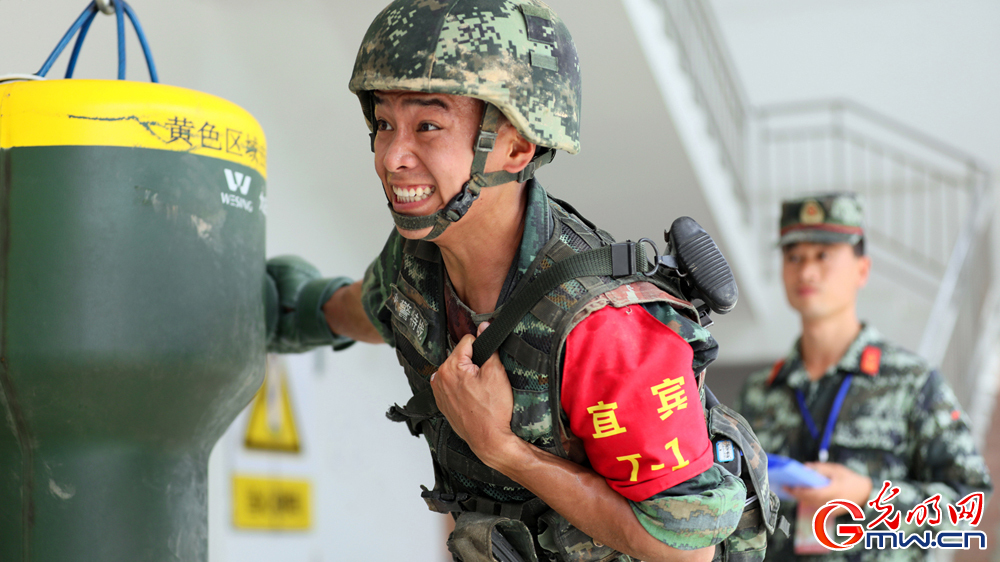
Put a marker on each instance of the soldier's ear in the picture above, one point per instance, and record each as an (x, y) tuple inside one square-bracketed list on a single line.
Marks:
[(864, 269), (518, 152)]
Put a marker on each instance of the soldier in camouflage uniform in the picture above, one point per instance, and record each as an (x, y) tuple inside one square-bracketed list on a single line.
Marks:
[(575, 441), (898, 420)]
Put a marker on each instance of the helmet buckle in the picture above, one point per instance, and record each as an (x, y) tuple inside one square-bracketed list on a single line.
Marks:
[(486, 141), (460, 203)]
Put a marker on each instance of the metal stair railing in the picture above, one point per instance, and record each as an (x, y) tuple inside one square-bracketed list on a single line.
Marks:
[(917, 189), (928, 204), (693, 28)]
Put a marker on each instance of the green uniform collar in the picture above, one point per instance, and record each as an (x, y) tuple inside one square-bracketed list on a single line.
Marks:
[(538, 226), (793, 373)]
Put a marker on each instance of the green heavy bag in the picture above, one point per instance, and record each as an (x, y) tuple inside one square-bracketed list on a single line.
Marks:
[(131, 313)]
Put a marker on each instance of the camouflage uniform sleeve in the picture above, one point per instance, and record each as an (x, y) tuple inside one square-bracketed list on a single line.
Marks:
[(748, 402), (945, 462), (376, 287), (705, 348), (697, 513)]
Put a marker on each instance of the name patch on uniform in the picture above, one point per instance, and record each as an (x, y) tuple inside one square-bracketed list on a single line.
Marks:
[(408, 317), (724, 451)]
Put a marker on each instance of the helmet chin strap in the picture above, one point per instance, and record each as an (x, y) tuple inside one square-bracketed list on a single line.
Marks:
[(478, 179)]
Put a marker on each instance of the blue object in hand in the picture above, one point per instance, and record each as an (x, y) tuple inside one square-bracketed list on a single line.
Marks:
[(783, 471)]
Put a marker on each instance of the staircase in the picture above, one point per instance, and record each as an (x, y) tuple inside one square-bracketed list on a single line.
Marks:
[(929, 205)]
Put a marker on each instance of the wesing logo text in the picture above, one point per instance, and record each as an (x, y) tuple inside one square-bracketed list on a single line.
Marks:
[(969, 508), (238, 182)]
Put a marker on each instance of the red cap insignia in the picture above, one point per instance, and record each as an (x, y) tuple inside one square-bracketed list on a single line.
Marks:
[(871, 357)]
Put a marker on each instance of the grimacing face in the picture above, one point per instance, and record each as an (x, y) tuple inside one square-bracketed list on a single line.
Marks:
[(822, 280), (424, 150)]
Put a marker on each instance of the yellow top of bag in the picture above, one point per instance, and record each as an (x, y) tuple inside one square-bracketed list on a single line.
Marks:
[(130, 114)]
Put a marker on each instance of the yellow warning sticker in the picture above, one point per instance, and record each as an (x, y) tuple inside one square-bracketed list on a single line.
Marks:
[(272, 423), (271, 503)]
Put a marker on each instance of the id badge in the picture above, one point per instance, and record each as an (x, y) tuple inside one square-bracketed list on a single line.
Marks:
[(805, 540)]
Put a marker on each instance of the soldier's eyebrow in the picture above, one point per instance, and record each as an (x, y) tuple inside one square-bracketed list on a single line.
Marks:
[(421, 101), (427, 102)]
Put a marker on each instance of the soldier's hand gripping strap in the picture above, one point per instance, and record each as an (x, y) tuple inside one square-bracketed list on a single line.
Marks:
[(296, 295)]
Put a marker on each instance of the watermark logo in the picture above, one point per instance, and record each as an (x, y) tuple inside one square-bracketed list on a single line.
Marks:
[(969, 510), (237, 181)]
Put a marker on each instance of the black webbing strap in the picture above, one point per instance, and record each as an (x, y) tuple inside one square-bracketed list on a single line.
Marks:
[(448, 502), (420, 408), (604, 261)]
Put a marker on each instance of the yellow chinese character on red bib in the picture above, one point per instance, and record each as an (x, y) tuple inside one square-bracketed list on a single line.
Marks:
[(671, 395), (605, 421)]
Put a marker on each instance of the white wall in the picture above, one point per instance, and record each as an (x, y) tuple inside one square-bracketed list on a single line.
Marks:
[(928, 63)]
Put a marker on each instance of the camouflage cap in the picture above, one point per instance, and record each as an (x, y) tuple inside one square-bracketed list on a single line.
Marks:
[(516, 54), (824, 219)]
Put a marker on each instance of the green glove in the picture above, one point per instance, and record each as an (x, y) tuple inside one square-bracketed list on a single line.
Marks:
[(296, 293)]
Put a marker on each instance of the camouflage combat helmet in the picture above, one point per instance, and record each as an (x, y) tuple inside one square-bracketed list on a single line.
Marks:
[(515, 55)]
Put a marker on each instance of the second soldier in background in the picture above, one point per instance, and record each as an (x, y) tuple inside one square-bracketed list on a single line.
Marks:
[(858, 409)]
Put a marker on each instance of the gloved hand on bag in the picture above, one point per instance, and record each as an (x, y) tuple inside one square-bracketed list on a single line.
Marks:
[(296, 293)]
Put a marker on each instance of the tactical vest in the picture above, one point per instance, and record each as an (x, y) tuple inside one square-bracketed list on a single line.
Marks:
[(532, 358)]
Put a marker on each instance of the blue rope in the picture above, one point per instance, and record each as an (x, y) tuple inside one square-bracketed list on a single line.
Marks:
[(82, 25), (79, 43), (120, 17), (142, 41), (92, 8)]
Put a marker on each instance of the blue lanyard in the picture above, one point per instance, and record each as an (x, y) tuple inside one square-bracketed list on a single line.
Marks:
[(831, 420)]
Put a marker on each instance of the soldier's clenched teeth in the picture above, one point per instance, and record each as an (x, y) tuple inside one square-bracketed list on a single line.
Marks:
[(412, 194)]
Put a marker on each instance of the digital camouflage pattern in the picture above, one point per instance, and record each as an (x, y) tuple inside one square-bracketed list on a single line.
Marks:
[(823, 219), (403, 294), (760, 514), (517, 55), (902, 424), (662, 512)]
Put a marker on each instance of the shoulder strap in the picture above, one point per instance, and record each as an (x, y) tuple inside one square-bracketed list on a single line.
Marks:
[(615, 260)]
